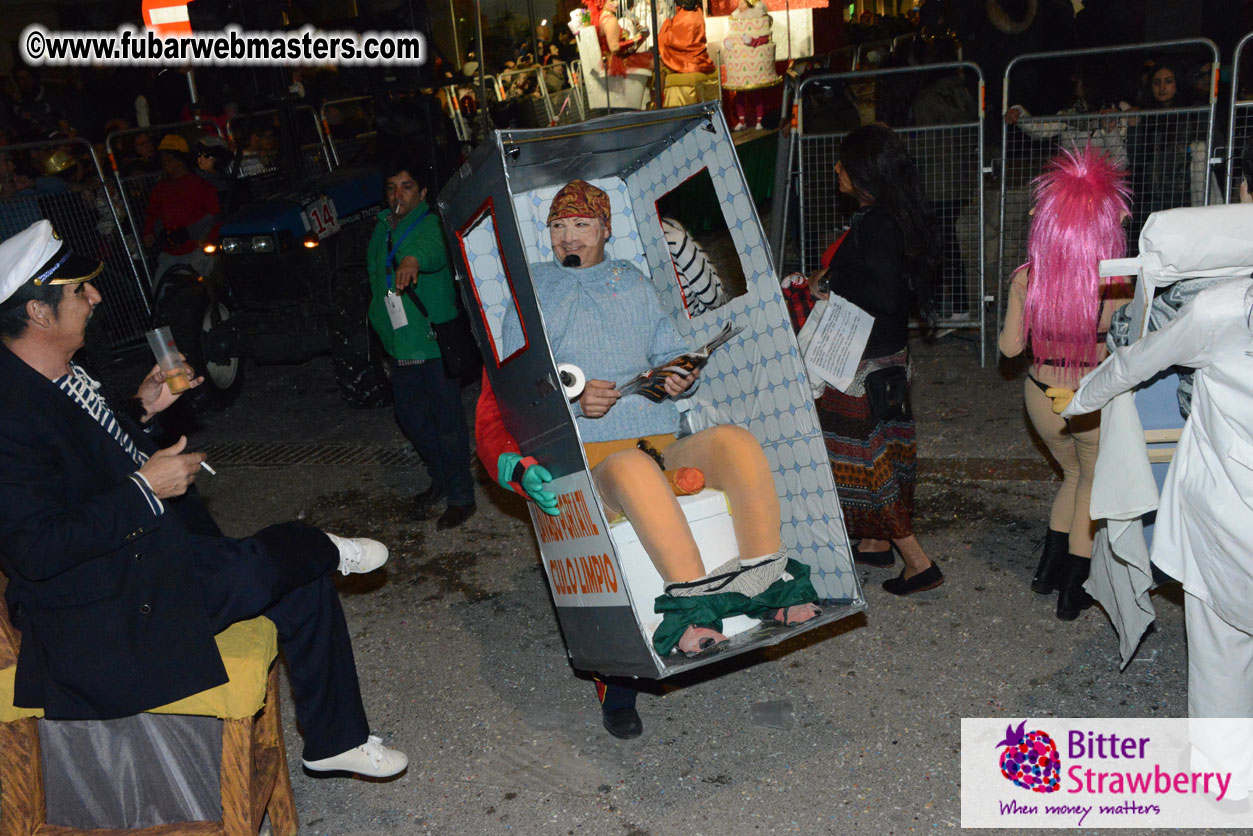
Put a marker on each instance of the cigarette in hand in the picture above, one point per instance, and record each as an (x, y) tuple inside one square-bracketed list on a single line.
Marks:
[(212, 472)]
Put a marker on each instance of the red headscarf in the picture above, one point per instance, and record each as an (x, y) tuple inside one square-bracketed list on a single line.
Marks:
[(580, 199)]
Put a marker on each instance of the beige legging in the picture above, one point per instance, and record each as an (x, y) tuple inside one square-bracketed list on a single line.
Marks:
[(1073, 443), (630, 483)]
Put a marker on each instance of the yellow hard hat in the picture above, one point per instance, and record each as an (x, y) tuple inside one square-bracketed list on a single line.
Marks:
[(58, 161), (174, 142)]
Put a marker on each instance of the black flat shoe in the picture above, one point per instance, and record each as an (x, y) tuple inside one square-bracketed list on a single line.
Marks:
[(880, 560), (455, 515), (928, 578), (623, 723)]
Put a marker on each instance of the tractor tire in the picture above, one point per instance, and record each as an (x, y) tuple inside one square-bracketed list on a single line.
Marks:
[(355, 353), (191, 313)]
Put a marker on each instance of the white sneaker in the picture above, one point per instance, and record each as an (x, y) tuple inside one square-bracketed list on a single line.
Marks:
[(371, 759), (359, 554)]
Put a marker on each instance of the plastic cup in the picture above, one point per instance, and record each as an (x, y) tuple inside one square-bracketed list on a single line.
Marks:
[(161, 341)]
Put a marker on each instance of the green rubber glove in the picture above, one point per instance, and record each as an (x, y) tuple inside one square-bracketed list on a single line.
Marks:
[(526, 476)]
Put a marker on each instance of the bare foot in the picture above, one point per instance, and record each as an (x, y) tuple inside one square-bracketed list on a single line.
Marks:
[(697, 640), (797, 614)]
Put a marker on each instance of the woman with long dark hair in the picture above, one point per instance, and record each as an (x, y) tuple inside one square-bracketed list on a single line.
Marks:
[(1163, 146), (883, 264)]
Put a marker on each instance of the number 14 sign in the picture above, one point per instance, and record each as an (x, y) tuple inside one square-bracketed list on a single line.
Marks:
[(320, 217)]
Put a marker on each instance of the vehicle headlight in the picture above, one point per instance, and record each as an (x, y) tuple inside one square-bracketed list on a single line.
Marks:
[(263, 244), (230, 246)]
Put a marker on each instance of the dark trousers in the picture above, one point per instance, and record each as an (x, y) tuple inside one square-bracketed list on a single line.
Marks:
[(613, 693), (284, 573), (429, 411)]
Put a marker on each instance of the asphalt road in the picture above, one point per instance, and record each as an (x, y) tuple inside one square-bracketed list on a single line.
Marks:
[(463, 667)]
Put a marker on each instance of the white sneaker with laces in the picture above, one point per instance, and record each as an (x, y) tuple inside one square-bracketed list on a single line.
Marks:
[(359, 554), (371, 759)]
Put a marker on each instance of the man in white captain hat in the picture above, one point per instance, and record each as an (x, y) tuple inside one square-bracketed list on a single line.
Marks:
[(118, 576)]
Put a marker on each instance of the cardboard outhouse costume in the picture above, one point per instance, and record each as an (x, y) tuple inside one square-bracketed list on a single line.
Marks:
[(602, 581)]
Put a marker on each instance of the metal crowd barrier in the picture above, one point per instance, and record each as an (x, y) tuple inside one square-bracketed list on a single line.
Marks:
[(136, 175), (82, 204), (1239, 120), (462, 124), (345, 144), (511, 85), (785, 184), (948, 154), (1168, 152), (888, 48), (315, 158), (565, 100), (844, 59)]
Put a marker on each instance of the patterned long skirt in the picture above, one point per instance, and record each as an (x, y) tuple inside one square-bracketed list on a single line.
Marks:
[(875, 464)]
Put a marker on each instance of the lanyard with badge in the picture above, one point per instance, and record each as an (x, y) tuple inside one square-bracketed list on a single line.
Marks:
[(395, 306)]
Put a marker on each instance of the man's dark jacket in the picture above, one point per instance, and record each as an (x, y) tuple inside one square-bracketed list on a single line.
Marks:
[(104, 591)]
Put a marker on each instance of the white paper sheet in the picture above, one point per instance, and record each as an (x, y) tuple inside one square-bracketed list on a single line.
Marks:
[(839, 342)]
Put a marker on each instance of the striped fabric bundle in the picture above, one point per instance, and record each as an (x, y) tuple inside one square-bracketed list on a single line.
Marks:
[(698, 279)]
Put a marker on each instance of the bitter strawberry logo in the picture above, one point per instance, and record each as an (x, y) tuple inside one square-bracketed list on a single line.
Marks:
[(1030, 759)]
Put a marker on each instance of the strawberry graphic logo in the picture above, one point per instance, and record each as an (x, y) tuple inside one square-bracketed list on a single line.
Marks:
[(1030, 759)]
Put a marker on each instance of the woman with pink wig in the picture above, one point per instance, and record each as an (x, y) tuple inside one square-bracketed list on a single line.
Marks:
[(1061, 308)]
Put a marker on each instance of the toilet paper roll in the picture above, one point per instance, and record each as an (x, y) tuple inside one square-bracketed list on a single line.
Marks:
[(572, 380)]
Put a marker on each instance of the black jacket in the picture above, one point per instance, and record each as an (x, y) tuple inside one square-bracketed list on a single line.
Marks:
[(103, 590)]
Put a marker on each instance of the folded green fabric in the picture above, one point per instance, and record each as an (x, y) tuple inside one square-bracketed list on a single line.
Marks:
[(709, 610)]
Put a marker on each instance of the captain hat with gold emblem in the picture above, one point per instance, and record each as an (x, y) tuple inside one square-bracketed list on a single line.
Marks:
[(39, 256)]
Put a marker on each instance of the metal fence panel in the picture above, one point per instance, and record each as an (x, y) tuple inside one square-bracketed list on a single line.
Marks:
[(1240, 117), (136, 174), (1167, 151), (349, 125), (948, 154), (565, 101), (461, 114), (82, 206), (528, 87), (314, 157)]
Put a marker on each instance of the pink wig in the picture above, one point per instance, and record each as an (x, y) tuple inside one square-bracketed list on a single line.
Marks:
[(1081, 199)]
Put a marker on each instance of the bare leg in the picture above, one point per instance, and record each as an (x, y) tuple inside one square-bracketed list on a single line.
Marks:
[(630, 482), (734, 463)]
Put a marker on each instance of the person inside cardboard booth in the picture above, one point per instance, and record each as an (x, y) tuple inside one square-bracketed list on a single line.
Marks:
[(118, 576), (605, 317)]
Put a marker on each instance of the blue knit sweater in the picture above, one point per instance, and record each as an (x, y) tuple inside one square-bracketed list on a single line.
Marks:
[(607, 319)]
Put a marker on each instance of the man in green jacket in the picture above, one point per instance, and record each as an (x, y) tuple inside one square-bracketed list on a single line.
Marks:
[(407, 257)]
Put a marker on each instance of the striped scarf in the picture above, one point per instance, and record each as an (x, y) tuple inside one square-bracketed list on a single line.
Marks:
[(83, 390)]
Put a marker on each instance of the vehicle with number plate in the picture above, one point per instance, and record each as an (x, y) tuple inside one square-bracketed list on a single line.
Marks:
[(288, 283), (289, 277)]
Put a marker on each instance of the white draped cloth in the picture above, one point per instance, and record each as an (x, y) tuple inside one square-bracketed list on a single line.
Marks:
[(1202, 535)]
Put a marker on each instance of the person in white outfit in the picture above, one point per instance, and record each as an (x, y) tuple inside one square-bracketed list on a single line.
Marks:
[(1204, 520)]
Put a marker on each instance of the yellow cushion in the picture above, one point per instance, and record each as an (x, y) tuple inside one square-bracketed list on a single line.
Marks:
[(247, 648)]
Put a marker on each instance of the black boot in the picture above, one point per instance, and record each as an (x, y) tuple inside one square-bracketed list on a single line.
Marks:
[(1048, 575), (1072, 599), (617, 709)]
